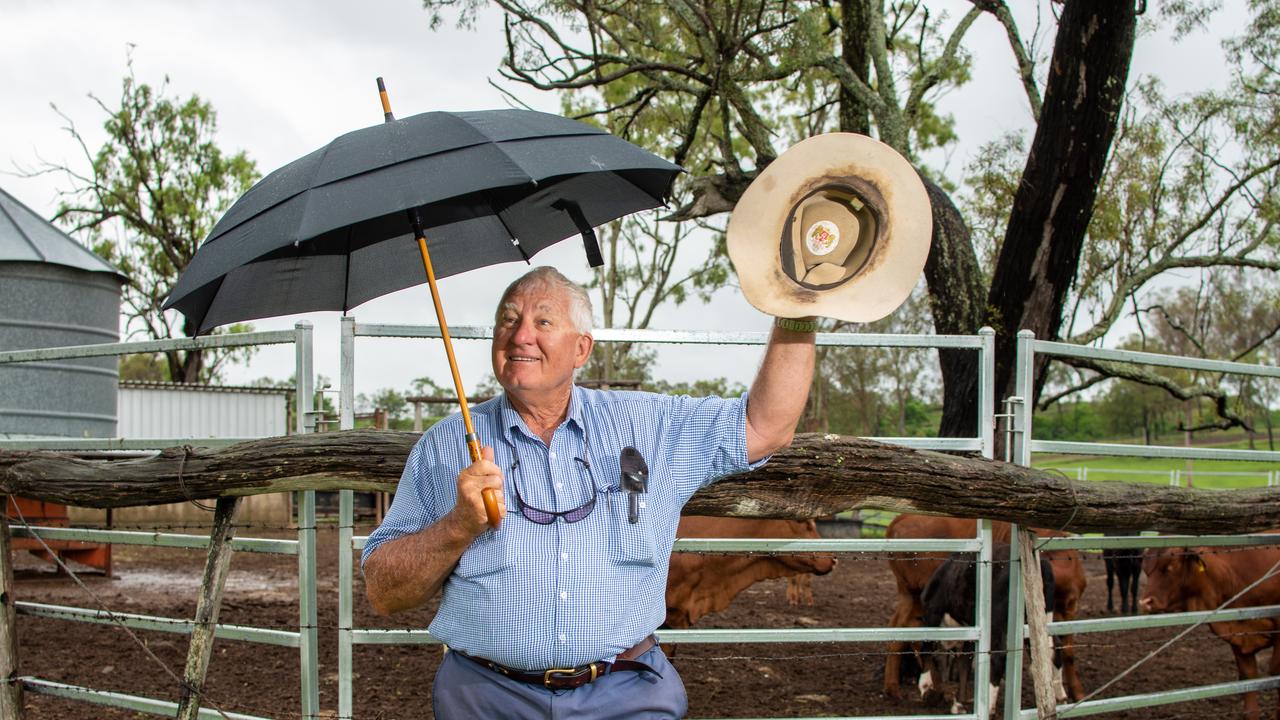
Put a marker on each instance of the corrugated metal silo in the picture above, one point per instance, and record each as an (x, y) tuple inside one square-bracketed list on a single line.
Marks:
[(54, 292)]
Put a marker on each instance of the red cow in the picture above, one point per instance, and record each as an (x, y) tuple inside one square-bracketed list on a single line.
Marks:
[(1198, 579), (698, 584), (912, 571)]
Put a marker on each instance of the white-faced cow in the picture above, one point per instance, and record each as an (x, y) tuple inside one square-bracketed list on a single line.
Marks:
[(1198, 579), (912, 571), (949, 600), (698, 584)]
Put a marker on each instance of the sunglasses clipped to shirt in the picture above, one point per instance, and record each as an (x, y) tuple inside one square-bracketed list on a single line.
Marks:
[(546, 517)]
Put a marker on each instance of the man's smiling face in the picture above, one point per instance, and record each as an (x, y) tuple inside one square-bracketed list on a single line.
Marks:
[(536, 346)]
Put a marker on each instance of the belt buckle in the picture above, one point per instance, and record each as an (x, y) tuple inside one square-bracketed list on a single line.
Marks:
[(568, 674)]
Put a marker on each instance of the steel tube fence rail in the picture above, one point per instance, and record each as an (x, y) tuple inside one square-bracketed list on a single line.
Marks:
[(983, 343), (1024, 444), (121, 700), (305, 638), (1175, 475), (1021, 447), (157, 539)]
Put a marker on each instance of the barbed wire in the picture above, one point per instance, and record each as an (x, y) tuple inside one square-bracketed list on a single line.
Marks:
[(856, 556), (109, 698), (199, 693), (1267, 575)]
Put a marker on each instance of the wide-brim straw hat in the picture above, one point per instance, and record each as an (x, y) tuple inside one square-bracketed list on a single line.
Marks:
[(838, 226)]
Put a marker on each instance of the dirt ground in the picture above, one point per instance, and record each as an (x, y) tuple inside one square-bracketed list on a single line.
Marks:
[(394, 682)]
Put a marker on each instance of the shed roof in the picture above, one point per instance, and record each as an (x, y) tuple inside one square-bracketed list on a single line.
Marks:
[(27, 237), (195, 387)]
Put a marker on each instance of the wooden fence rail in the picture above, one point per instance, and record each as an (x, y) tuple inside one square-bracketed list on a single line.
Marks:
[(818, 475)]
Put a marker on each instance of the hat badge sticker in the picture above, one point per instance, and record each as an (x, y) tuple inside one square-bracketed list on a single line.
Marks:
[(822, 237)]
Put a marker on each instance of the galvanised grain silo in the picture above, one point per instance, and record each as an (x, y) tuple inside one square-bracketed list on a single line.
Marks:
[(54, 292)]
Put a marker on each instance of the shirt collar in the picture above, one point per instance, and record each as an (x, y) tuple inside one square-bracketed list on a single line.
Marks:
[(511, 420)]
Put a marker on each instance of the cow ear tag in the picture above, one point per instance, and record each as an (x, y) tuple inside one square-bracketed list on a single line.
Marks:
[(1201, 565)]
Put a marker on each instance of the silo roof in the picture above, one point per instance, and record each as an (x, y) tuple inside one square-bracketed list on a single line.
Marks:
[(27, 237)]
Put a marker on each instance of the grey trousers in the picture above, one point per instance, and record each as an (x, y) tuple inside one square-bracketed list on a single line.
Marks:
[(464, 690)]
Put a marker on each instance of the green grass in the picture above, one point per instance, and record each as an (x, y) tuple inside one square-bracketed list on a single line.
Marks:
[(1158, 470)]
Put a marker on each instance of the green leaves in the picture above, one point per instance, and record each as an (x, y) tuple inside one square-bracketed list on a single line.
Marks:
[(153, 192)]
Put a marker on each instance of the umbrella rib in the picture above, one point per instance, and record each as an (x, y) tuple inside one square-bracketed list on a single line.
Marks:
[(515, 240), (200, 328), (660, 200)]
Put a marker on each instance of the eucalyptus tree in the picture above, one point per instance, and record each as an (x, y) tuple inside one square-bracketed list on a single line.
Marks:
[(149, 196), (1190, 190), (722, 87)]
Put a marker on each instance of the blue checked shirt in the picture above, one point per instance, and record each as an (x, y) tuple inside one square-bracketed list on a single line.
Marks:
[(535, 596)]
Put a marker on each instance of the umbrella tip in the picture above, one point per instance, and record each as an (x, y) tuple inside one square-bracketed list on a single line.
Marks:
[(386, 102)]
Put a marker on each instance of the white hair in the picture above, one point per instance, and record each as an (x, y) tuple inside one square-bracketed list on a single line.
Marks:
[(546, 277)]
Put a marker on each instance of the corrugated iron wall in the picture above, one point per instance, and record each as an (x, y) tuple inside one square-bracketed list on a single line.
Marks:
[(168, 411)]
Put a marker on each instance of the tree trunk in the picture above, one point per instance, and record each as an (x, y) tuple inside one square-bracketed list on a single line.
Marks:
[(1054, 202), (818, 475), (956, 296), (855, 18), (10, 686), (200, 649)]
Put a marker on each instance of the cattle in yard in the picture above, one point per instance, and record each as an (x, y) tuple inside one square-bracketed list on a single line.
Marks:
[(949, 599), (911, 572), (698, 584), (1199, 579), (800, 590), (1124, 566)]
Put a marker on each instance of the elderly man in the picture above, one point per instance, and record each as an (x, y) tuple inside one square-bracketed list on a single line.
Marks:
[(552, 614)]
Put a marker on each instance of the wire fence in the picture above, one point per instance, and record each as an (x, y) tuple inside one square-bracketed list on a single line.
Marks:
[(751, 645)]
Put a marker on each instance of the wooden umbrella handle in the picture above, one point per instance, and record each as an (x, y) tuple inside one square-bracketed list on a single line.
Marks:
[(489, 495)]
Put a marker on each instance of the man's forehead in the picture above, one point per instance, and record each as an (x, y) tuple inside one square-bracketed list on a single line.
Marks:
[(543, 301)]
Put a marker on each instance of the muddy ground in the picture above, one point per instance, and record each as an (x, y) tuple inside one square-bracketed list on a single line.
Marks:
[(393, 682)]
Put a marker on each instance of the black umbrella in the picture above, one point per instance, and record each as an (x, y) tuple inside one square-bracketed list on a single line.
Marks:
[(462, 190), (328, 231)]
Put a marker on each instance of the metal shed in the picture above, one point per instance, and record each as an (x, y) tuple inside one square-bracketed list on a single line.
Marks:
[(180, 411), (54, 292), (176, 410)]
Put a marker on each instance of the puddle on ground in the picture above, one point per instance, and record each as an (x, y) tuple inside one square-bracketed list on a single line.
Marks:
[(139, 584), (154, 579)]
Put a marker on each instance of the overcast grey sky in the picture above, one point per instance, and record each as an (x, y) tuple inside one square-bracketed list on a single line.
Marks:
[(287, 76)]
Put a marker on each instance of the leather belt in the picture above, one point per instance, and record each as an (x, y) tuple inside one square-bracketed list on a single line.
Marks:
[(573, 677)]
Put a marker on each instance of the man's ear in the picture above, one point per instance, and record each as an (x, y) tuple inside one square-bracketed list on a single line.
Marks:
[(585, 343)]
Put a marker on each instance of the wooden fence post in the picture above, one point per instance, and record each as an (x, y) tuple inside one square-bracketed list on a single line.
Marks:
[(1037, 625), (10, 688), (215, 577)]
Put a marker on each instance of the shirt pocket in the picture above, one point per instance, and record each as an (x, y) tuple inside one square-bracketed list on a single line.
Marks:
[(489, 553), (630, 544)]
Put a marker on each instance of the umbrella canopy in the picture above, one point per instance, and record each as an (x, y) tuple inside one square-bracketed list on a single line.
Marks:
[(329, 231)]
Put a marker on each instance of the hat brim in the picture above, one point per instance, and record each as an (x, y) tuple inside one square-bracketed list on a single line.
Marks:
[(760, 217)]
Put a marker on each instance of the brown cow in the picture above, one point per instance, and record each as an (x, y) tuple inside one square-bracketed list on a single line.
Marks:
[(698, 584), (912, 571), (1199, 579)]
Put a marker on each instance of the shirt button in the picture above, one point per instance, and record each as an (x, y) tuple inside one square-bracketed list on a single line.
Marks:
[(564, 556), (564, 596), (552, 454), (563, 639), (559, 486)]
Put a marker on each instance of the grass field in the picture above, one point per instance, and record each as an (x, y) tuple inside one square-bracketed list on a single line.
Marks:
[(1202, 474)]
